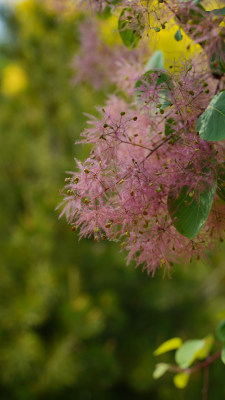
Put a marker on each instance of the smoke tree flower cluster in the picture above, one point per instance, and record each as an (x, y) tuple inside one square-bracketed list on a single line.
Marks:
[(154, 180), (96, 62)]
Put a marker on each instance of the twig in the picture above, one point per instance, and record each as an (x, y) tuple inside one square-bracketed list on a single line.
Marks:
[(199, 366), (205, 383)]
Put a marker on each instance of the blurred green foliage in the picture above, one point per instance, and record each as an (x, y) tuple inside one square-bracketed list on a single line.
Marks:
[(76, 323)]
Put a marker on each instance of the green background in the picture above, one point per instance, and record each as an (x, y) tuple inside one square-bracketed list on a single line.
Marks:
[(75, 321)]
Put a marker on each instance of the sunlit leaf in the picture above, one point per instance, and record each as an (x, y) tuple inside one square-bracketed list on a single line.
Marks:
[(160, 370), (211, 124), (181, 380), (169, 345), (188, 352), (155, 61), (204, 352)]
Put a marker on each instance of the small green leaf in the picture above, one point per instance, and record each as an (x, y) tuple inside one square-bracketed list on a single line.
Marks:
[(163, 81), (160, 370), (131, 27), (171, 344), (217, 63), (156, 61), (168, 126), (204, 352), (223, 354), (189, 210), (178, 35), (211, 124), (181, 380), (220, 331), (188, 352), (221, 181)]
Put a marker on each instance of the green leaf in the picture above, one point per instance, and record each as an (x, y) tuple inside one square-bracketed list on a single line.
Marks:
[(155, 61), (217, 63), (223, 354), (221, 181), (163, 81), (171, 344), (160, 370), (204, 352), (131, 26), (189, 210), (168, 126), (188, 352), (217, 11), (211, 124), (181, 380), (220, 331), (178, 35)]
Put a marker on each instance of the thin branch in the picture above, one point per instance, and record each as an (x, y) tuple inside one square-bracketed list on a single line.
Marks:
[(205, 383), (199, 366)]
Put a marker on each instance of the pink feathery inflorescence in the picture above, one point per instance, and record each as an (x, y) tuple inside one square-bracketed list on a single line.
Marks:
[(120, 192), (145, 146)]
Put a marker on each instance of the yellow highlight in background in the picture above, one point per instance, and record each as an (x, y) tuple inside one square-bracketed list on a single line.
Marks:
[(108, 30), (174, 52), (14, 80)]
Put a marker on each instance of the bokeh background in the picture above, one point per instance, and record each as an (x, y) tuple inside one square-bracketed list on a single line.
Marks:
[(75, 321)]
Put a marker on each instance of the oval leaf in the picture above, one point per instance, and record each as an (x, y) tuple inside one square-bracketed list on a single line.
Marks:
[(211, 124), (204, 352), (178, 35), (169, 345), (181, 380), (170, 122), (189, 211), (220, 331), (188, 352), (155, 61), (131, 26), (160, 370)]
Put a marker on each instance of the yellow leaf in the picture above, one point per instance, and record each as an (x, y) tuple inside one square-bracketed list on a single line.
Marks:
[(204, 352), (181, 380), (14, 80), (169, 345)]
